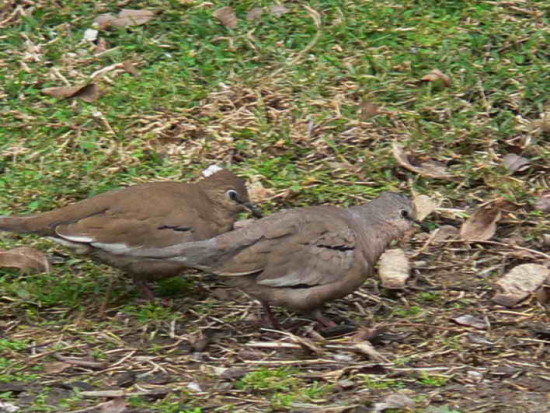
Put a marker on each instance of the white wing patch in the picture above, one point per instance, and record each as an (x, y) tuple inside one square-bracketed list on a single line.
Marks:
[(211, 170), (113, 248), (76, 238), (77, 247)]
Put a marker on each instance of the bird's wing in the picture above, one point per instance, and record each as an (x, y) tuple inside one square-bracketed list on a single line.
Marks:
[(130, 222), (308, 247)]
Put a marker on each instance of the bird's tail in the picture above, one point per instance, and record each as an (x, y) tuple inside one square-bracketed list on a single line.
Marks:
[(15, 224)]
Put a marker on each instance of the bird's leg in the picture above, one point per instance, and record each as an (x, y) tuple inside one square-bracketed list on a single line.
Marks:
[(146, 291), (324, 321), (103, 305), (269, 318)]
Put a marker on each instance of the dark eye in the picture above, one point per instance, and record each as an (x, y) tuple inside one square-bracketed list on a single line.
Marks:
[(404, 214), (232, 195)]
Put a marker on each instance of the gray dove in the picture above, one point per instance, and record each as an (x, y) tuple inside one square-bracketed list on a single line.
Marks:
[(151, 215), (301, 258)]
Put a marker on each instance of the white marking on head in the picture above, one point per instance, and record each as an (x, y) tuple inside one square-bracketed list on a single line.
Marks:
[(211, 170)]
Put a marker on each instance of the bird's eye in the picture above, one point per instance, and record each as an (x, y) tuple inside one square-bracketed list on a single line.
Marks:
[(404, 214), (232, 195)]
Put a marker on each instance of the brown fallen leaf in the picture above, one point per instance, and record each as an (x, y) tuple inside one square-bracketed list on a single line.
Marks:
[(117, 405), (278, 10), (227, 17), (519, 283), (395, 401), (88, 92), (55, 367), (424, 206), (394, 269), (26, 259), (515, 163), (126, 18), (365, 347), (368, 110), (255, 13), (430, 169), (436, 76), (445, 233), (258, 193), (130, 68), (543, 203), (471, 321), (482, 224), (101, 46)]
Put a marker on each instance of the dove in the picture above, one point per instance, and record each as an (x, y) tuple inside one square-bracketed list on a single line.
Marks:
[(150, 215), (299, 258)]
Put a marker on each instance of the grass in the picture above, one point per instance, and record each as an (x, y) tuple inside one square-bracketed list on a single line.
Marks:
[(279, 99)]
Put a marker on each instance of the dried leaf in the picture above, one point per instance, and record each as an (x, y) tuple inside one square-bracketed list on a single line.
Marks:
[(227, 17), (255, 13), (367, 348), (56, 367), (87, 92), (130, 68), (278, 10), (430, 169), (118, 405), (26, 259), (445, 232), (395, 401), (437, 76), (91, 35), (543, 295), (516, 163), (424, 206), (101, 46), (394, 269), (125, 18), (6, 407), (543, 203), (471, 321), (258, 193), (482, 224), (519, 283), (369, 110)]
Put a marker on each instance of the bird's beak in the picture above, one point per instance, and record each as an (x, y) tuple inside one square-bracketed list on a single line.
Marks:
[(254, 210), (424, 227)]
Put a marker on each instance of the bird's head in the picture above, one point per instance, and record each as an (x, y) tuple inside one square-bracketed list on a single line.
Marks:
[(227, 190), (396, 209)]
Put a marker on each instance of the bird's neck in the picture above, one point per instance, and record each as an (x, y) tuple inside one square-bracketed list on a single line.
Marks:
[(375, 233)]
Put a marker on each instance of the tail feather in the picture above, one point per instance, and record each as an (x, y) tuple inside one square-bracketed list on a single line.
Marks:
[(14, 224)]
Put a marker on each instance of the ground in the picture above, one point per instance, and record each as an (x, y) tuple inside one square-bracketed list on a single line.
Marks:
[(305, 102)]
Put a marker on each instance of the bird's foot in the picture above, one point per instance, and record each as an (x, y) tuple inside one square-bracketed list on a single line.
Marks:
[(329, 328), (269, 319)]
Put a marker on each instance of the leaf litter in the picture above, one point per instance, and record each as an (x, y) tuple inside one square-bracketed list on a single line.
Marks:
[(227, 17), (427, 168), (519, 283), (125, 18), (26, 259), (88, 92)]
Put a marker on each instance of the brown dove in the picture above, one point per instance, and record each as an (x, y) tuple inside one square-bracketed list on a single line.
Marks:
[(300, 258), (151, 215)]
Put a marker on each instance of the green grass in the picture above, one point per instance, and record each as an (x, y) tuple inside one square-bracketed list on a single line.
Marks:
[(281, 95)]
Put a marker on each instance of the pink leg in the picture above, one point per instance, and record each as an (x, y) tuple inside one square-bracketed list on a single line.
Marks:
[(324, 321), (269, 318), (146, 292)]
